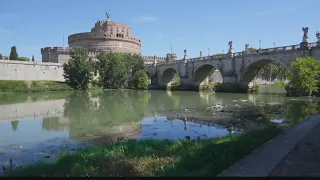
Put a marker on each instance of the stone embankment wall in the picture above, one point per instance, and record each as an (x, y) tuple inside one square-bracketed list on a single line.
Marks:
[(30, 71)]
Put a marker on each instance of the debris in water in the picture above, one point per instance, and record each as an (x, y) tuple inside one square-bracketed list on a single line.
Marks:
[(278, 121)]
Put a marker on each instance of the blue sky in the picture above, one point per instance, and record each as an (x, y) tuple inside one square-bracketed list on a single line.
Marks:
[(192, 24)]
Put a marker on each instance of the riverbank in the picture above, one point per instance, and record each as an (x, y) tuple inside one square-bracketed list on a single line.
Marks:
[(154, 157), (32, 86)]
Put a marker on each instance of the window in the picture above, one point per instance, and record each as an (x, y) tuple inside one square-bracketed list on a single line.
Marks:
[(119, 35)]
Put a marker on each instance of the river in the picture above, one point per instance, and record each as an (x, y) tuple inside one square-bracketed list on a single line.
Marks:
[(36, 127)]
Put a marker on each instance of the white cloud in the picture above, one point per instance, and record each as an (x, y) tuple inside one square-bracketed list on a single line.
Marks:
[(143, 19), (2, 30), (9, 16)]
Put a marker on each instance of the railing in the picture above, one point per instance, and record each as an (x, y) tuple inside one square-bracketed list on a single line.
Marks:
[(243, 53)]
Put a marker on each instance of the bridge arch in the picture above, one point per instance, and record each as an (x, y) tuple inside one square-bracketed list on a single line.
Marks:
[(252, 69), (167, 75), (206, 70)]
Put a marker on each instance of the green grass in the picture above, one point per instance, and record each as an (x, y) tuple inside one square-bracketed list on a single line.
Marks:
[(32, 86), (154, 157), (278, 83)]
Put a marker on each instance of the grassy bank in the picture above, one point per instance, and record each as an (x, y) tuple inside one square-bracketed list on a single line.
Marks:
[(13, 98), (154, 157), (32, 86)]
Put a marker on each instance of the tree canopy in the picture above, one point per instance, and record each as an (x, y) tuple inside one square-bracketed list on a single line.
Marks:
[(23, 59), (13, 53), (78, 72), (119, 71), (305, 73), (113, 70)]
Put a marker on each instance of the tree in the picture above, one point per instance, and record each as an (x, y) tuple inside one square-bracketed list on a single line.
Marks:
[(78, 72), (143, 81), (219, 54), (175, 82), (32, 58), (13, 53), (305, 74), (135, 66), (23, 59), (119, 71), (1, 56), (112, 70), (251, 49)]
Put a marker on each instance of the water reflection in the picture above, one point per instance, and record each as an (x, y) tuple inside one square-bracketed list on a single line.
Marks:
[(48, 122)]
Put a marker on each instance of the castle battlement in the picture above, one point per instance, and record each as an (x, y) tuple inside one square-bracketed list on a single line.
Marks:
[(54, 49), (155, 57)]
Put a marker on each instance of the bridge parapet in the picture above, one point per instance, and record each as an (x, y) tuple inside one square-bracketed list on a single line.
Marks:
[(244, 53)]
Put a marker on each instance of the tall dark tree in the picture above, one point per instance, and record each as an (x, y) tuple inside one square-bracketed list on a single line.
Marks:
[(1, 56), (32, 58), (13, 53)]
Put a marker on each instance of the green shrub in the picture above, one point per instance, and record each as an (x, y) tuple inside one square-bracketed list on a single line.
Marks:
[(23, 59), (143, 81), (207, 86)]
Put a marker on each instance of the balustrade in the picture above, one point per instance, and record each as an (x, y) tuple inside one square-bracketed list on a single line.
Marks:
[(245, 53)]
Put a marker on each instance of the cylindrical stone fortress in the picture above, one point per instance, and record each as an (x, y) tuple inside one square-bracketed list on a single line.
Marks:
[(107, 36)]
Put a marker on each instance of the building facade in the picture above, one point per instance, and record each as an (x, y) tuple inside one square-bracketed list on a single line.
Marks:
[(105, 36)]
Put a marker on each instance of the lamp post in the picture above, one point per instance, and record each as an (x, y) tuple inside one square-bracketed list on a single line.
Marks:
[(259, 44)]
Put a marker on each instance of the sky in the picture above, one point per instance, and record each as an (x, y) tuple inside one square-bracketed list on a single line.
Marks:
[(195, 25)]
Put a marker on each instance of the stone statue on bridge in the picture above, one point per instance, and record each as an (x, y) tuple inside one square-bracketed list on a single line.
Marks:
[(305, 34), (305, 42), (305, 31), (230, 51), (185, 55), (201, 54), (318, 37), (246, 46), (230, 44)]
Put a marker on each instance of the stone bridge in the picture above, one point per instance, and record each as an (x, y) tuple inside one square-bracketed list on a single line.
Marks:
[(236, 68)]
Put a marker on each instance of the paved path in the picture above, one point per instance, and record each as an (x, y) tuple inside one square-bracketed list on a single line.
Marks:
[(304, 159), (295, 152)]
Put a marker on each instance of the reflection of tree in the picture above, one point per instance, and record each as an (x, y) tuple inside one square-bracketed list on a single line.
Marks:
[(297, 111), (79, 108), (50, 123), (99, 115), (14, 125)]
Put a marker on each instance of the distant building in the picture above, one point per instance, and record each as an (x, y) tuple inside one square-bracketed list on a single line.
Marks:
[(5, 58), (104, 36)]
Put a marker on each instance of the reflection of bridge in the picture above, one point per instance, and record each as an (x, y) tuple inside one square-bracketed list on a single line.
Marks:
[(236, 68)]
